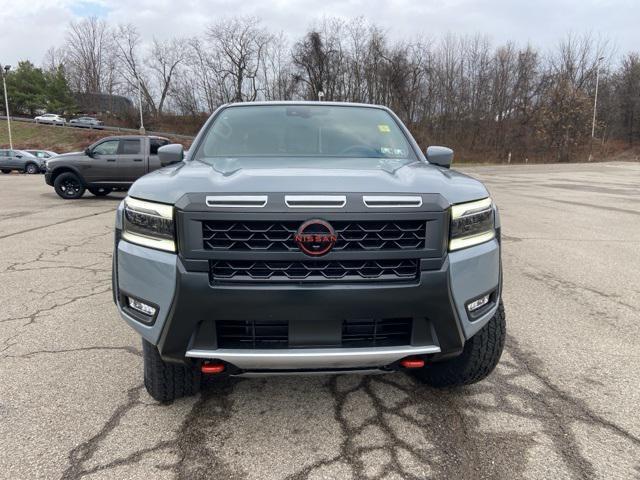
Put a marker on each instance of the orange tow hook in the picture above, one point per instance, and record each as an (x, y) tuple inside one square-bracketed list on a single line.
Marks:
[(211, 368), (412, 363)]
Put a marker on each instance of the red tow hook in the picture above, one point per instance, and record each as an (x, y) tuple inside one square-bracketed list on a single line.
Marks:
[(212, 368), (412, 363)]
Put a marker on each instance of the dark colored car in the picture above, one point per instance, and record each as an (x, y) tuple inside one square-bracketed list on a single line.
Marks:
[(111, 162), (306, 238), (86, 122), (21, 161)]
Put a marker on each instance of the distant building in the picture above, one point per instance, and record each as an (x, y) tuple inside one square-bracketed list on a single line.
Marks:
[(102, 103)]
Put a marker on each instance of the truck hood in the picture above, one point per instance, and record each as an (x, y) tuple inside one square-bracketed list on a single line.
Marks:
[(61, 158), (305, 175), (69, 154)]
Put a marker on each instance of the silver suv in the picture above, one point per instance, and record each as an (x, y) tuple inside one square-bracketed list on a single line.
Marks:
[(21, 161)]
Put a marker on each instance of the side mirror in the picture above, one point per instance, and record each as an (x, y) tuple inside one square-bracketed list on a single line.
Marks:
[(88, 152), (172, 153), (441, 156)]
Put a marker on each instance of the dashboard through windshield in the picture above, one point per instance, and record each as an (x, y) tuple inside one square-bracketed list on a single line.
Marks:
[(304, 130)]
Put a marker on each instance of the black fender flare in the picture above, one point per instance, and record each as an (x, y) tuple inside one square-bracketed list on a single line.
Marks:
[(67, 168)]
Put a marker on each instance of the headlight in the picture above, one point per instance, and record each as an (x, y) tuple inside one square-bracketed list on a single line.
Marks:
[(471, 224), (149, 224)]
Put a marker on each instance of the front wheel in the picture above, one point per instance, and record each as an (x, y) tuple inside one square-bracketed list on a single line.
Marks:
[(479, 357), (32, 169), (100, 191), (166, 381), (68, 186), (6, 170)]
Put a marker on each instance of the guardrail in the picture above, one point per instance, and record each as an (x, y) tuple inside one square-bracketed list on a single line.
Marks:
[(103, 127)]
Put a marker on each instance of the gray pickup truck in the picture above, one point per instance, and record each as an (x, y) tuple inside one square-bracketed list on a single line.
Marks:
[(301, 238), (111, 162)]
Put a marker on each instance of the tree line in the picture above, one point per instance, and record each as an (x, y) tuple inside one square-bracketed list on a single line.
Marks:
[(488, 101)]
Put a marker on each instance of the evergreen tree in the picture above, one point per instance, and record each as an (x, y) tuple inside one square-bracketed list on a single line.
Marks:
[(26, 87), (59, 98)]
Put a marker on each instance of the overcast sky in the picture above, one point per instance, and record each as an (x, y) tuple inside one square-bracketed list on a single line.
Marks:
[(29, 27)]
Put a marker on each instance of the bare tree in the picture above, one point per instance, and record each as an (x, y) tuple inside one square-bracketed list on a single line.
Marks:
[(486, 100), (131, 64), (279, 82), (88, 54), (163, 61), (627, 98), (241, 44)]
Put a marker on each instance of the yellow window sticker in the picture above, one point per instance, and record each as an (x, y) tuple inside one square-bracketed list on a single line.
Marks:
[(384, 128)]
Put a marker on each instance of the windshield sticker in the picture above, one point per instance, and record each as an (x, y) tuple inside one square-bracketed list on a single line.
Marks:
[(393, 152), (384, 128)]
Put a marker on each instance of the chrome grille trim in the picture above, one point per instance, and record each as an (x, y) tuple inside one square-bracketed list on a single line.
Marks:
[(392, 201), (247, 201), (315, 201)]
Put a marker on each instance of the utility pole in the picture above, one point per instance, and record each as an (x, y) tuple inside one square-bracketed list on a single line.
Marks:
[(595, 107), (142, 131), (595, 99), (4, 74)]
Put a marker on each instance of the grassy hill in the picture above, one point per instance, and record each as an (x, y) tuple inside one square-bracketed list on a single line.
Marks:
[(57, 139)]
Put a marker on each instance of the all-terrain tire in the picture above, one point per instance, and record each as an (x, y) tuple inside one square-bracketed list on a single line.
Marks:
[(168, 381), (478, 359), (68, 186), (100, 191)]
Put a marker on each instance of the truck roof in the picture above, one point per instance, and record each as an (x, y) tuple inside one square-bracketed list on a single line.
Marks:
[(132, 137), (306, 102)]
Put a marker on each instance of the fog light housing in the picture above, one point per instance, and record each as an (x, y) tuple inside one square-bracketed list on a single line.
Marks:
[(479, 306), (479, 303), (141, 310), (141, 307)]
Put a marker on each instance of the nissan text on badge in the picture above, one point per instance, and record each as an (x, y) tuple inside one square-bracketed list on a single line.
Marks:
[(305, 237)]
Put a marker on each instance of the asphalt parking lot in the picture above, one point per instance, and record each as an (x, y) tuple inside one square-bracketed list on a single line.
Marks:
[(563, 403)]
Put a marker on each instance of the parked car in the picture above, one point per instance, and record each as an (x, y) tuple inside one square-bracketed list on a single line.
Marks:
[(21, 161), (43, 155), (111, 162), (50, 118), (86, 122), (304, 238)]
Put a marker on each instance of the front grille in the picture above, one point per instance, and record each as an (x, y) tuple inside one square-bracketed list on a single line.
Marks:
[(388, 332), (279, 236), (270, 334), (252, 334), (314, 271)]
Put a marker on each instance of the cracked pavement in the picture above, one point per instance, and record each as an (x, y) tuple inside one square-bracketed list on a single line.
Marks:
[(563, 403)]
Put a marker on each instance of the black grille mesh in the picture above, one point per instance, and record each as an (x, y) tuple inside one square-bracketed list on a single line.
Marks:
[(252, 333), (278, 236), (268, 334), (376, 332), (335, 270)]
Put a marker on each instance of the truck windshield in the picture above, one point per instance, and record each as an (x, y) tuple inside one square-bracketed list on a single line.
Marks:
[(305, 131)]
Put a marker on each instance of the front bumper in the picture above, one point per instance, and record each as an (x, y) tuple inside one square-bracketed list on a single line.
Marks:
[(48, 178), (188, 307), (333, 359)]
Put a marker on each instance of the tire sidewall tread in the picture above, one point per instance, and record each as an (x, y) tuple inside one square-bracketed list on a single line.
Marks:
[(166, 381), (478, 359)]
